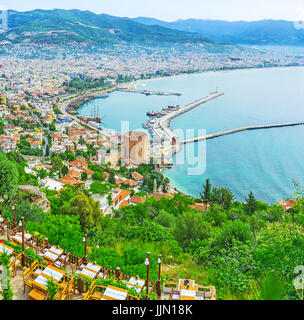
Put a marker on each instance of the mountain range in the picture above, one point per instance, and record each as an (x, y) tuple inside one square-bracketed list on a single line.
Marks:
[(60, 26), (65, 26), (263, 32)]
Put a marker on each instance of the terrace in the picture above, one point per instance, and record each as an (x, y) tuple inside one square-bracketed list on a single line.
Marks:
[(76, 278)]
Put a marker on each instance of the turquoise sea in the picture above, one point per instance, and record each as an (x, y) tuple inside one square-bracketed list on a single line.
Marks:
[(263, 161)]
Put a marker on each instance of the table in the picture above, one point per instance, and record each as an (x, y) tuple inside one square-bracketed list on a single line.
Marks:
[(54, 273), (113, 293), (41, 282), (94, 267), (90, 271), (51, 256), (138, 283), (87, 273), (187, 294), (18, 237), (57, 251), (47, 274), (5, 248)]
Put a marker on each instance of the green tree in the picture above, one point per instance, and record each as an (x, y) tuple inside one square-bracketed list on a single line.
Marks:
[(57, 163), (251, 205), (84, 176), (112, 178), (51, 289), (270, 287), (206, 194), (64, 170), (191, 227), (86, 208), (8, 177)]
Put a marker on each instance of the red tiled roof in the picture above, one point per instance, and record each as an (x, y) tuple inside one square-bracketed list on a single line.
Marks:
[(123, 194), (124, 204), (69, 180), (78, 162), (136, 176), (137, 199), (130, 183)]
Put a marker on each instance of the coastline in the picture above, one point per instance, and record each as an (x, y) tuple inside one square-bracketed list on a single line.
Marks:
[(138, 82), (173, 184)]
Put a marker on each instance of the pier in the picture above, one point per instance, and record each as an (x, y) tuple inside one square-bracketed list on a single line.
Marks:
[(161, 131), (164, 122), (224, 133), (149, 93)]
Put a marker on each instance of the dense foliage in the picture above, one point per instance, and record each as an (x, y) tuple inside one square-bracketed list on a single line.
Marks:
[(243, 249)]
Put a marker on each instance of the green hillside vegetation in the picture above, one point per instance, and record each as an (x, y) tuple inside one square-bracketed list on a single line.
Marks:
[(61, 26), (247, 251)]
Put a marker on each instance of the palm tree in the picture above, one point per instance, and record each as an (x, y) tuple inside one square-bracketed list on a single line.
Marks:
[(270, 287)]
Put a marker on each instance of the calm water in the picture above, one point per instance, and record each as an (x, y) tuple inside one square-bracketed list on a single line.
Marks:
[(263, 161)]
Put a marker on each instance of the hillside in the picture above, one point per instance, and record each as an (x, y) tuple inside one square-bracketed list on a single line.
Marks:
[(270, 32), (75, 26)]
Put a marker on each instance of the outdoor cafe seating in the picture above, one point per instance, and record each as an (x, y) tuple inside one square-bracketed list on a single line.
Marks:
[(36, 278), (90, 271), (52, 254), (136, 283), (113, 293), (96, 292), (17, 238)]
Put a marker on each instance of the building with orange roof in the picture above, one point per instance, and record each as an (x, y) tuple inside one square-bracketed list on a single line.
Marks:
[(130, 183), (136, 199), (124, 204), (121, 197), (287, 205), (34, 143), (138, 178), (78, 164), (68, 180)]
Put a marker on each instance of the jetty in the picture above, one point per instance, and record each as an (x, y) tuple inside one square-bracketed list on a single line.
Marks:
[(149, 92), (165, 141), (164, 122), (224, 133)]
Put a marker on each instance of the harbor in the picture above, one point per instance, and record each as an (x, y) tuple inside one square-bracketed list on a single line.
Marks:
[(224, 133), (149, 92), (164, 141)]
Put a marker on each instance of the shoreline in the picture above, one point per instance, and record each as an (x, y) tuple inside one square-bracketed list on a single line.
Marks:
[(139, 81), (173, 184)]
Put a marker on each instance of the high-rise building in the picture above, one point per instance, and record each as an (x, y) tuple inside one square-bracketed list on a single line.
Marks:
[(135, 147)]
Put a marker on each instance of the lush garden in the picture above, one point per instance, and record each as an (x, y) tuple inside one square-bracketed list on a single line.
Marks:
[(247, 251)]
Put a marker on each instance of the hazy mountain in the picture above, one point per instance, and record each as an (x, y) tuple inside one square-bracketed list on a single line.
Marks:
[(65, 26), (270, 32)]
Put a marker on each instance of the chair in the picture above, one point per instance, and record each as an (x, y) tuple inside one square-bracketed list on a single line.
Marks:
[(77, 265), (62, 263), (88, 295), (28, 278), (36, 294), (15, 262)]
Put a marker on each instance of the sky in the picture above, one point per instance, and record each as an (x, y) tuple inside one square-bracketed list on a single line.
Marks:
[(170, 10)]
